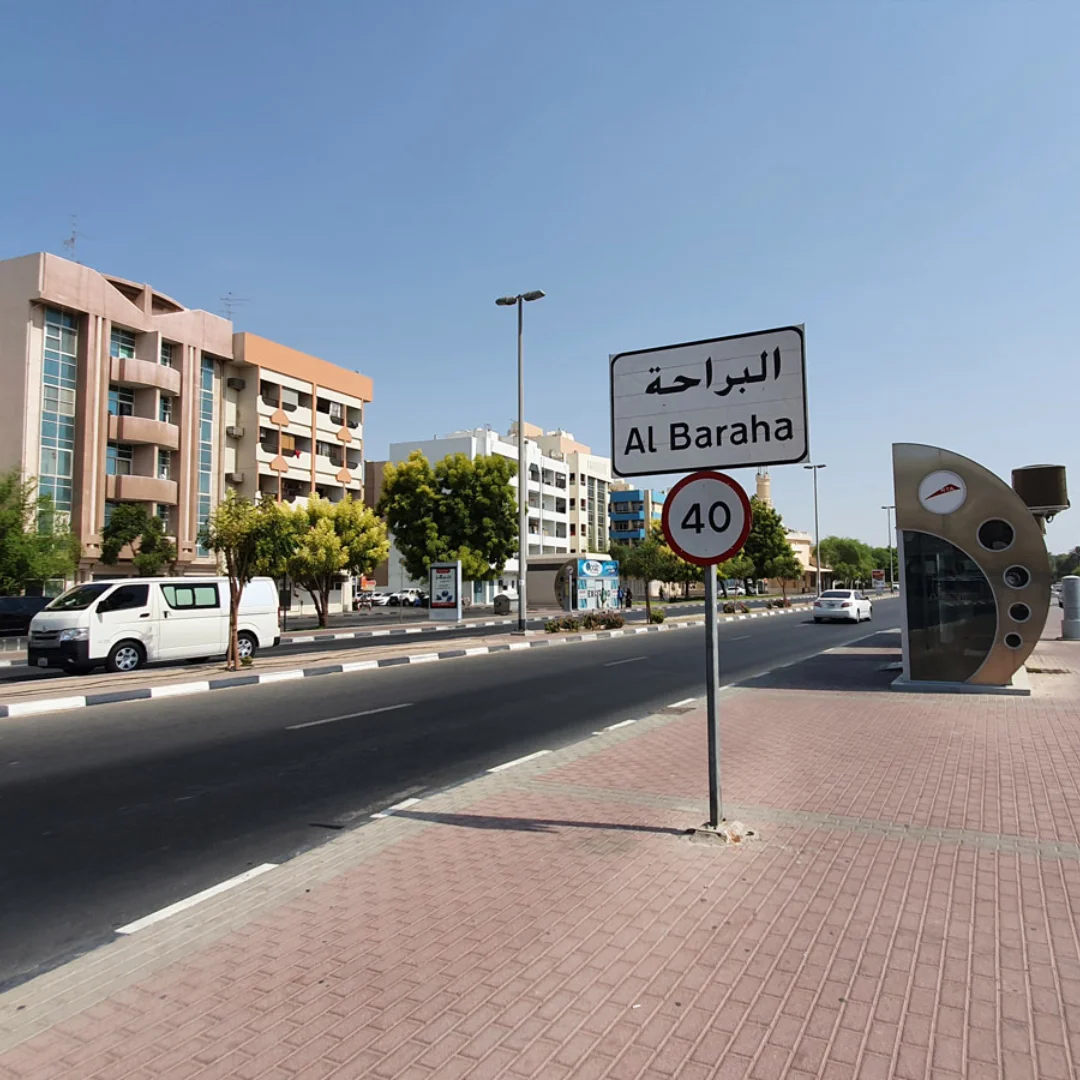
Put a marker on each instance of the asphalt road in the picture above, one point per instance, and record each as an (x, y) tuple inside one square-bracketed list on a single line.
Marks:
[(109, 814)]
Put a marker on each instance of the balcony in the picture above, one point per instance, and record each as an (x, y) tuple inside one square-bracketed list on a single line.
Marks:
[(127, 371), (143, 430), (132, 488)]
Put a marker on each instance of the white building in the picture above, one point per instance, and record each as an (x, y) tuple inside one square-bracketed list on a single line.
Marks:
[(567, 496), (590, 482)]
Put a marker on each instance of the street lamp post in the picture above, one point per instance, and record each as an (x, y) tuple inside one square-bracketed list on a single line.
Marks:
[(523, 489), (817, 528), (888, 518)]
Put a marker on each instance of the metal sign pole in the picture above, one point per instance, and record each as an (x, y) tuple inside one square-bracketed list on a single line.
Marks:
[(712, 682)]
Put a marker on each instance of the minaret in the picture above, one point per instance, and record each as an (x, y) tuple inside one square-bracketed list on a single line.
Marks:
[(764, 487)]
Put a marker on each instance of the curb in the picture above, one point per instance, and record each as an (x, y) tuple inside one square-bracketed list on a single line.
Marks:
[(228, 682)]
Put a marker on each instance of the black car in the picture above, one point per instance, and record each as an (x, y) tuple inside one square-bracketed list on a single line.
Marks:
[(17, 611)]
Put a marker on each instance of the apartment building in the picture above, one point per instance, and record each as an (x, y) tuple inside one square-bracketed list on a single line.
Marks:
[(633, 512), (116, 393), (589, 483), (112, 393), (294, 424)]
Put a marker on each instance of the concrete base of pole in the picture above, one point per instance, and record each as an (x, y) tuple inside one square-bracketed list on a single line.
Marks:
[(727, 832)]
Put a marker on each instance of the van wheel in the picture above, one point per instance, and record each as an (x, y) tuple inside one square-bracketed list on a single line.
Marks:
[(125, 656), (246, 645)]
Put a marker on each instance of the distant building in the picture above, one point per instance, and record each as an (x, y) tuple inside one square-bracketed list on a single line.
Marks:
[(633, 511)]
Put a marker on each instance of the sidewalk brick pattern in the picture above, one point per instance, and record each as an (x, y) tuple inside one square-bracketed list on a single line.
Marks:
[(912, 910)]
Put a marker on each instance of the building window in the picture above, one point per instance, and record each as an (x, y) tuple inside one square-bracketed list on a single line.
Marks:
[(121, 401), (206, 442), (166, 354), (162, 511), (58, 375), (122, 343), (118, 459), (165, 409), (164, 465)]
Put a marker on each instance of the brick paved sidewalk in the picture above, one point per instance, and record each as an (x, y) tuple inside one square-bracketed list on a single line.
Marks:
[(910, 910)]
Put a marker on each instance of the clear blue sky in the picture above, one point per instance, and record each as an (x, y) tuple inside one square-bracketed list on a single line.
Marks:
[(902, 177)]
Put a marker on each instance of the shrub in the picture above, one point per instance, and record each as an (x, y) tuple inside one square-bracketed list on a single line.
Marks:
[(657, 617), (729, 608), (565, 623), (602, 620), (744, 607)]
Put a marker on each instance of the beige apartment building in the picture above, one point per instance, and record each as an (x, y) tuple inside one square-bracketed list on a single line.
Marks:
[(294, 424), (116, 393)]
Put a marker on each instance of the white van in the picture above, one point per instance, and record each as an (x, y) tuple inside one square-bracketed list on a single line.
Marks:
[(123, 624)]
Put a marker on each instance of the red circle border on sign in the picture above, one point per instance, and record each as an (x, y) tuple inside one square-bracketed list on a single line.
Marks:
[(707, 474)]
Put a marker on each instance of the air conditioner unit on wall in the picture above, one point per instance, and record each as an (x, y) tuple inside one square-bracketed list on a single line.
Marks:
[(234, 477), (235, 383), (234, 432)]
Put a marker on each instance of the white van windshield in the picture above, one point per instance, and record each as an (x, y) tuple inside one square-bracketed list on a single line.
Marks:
[(80, 597)]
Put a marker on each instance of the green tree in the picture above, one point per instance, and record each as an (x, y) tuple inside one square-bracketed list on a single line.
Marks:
[(333, 539), (35, 542), (849, 560), (460, 509), (1064, 565), (131, 524), (738, 568), (767, 545), (786, 569), (250, 539), (649, 560)]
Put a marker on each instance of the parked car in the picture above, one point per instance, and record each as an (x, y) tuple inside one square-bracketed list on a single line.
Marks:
[(17, 611), (126, 624), (844, 605), (408, 598), (380, 599)]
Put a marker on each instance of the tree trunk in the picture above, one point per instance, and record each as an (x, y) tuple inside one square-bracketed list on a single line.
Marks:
[(235, 590), (323, 604)]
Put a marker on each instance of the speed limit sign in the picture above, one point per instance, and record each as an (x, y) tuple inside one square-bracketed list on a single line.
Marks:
[(706, 518)]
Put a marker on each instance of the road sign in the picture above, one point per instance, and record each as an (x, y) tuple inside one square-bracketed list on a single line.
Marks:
[(725, 403), (706, 518)]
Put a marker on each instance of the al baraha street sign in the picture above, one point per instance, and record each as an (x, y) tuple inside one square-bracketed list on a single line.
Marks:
[(726, 403)]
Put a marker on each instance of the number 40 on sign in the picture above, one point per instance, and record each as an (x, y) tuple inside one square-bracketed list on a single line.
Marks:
[(706, 518)]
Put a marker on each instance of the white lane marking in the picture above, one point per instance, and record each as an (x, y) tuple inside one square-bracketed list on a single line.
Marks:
[(179, 689), (742, 637), (685, 701), (519, 761), (349, 716), (198, 898), (28, 708), (359, 665), (389, 811), (281, 676), (631, 660), (621, 723)]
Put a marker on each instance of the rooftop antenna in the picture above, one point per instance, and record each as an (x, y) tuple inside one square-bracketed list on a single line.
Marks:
[(229, 303), (69, 243)]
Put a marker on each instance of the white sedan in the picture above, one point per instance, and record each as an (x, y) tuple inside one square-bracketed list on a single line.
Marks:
[(848, 605)]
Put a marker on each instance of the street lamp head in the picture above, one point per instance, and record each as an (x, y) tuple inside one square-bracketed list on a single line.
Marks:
[(813, 466), (536, 294), (506, 301)]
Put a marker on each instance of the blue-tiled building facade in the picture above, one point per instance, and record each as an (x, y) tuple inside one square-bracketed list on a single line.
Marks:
[(632, 512)]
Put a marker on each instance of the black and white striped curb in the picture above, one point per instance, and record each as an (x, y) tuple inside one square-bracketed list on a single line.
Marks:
[(227, 682), (397, 631)]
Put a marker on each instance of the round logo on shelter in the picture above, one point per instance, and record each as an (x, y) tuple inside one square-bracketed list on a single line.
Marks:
[(942, 492)]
